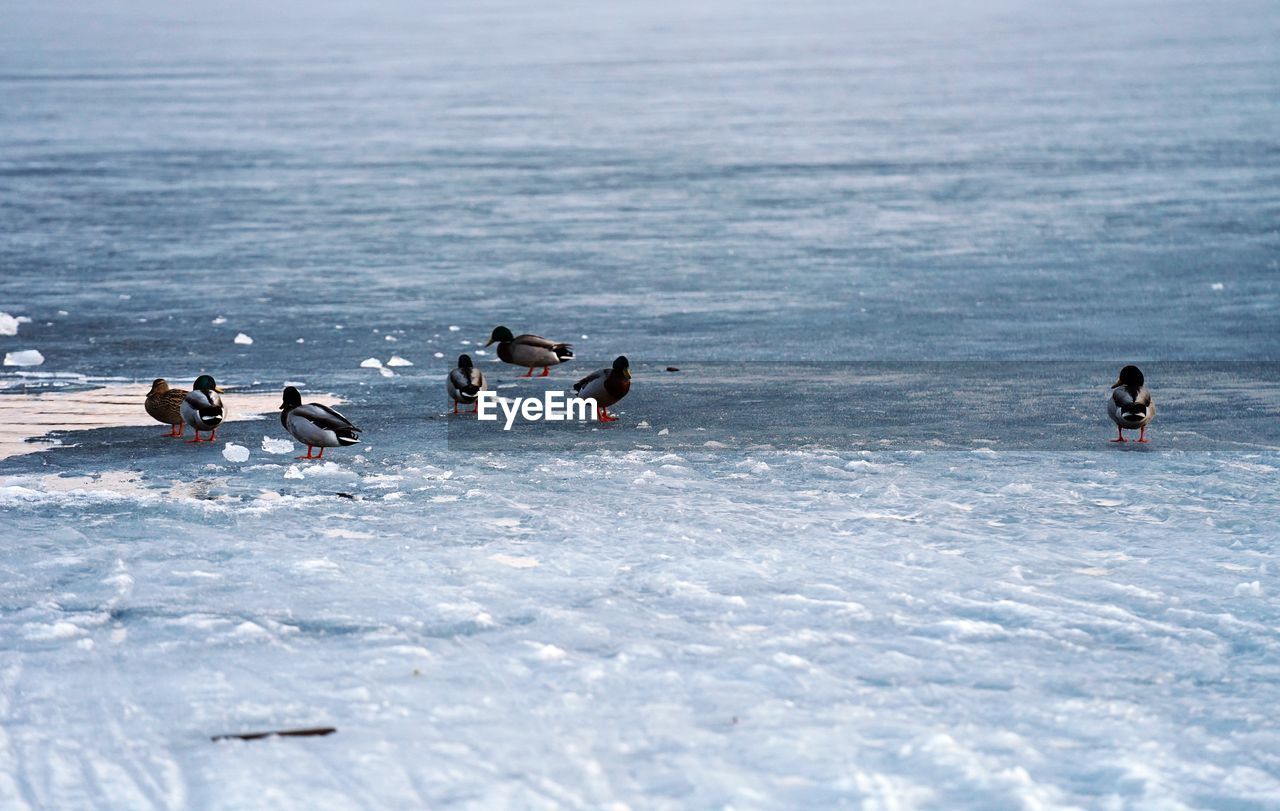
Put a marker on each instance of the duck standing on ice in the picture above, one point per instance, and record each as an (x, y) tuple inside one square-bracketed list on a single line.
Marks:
[(202, 408), (315, 425), (1130, 407), (606, 386), (165, 405), (532, 351), (464, 383)]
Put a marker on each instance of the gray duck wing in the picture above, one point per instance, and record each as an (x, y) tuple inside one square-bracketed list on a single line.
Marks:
[(324, 417), (584, 382)]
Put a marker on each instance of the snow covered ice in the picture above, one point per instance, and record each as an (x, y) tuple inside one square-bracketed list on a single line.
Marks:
[(779, 595)]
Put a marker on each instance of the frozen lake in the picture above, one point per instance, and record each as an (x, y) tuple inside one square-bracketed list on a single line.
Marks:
[(868, 548)]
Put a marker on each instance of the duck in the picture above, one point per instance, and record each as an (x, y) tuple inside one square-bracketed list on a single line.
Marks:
[(465, 383), (532, 351), (315, 425), (1130, 407), (165, 405), (202, 408), (606, 386)]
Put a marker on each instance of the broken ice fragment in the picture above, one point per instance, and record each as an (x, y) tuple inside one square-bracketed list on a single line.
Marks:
[(25, 357)]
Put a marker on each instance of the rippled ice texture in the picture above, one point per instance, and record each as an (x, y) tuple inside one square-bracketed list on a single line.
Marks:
[(755, 627)]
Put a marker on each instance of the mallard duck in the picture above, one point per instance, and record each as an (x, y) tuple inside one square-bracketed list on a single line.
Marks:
[(165, 405), (1130, 406), (465, 383), (202, 408), (315, 425), (606, 386), (532, 351)]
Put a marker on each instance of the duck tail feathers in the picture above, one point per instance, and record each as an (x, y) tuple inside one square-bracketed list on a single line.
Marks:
[(563, 351)]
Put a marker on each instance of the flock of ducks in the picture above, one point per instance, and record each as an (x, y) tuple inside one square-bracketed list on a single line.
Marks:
[(1130, 406), (319, 426)]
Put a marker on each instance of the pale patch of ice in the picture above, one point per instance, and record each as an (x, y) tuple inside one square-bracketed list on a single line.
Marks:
[(219, 320), (243, 339), (1253, 589), (664, 431), (547, 653), (8, 324), (396, 360), (439, 355), (453, 328), (235, 453), (370, 363), (293, 473), (301, 341), (642, 424), (390, 338), (385, 372), (1217, 286), (273, 445), (24, 357), (514, 561)]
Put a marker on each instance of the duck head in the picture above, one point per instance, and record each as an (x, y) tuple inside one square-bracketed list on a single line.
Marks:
[(464, 361), (292, 399), (500, 335), (205, 383), (622, 366), (1130, 377), (159, 385)]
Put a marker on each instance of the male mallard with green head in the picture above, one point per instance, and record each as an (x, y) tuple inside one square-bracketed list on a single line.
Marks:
[(202, 408), (316, 425), (165, 405), (606, 386), (531, 351), (1130, 406)]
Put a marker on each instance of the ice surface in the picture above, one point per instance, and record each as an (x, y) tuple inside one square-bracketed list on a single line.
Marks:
[(771, 624), (24, 357), (241, 338), (396, 360), (8, 324), (273, 445), (235, 453)]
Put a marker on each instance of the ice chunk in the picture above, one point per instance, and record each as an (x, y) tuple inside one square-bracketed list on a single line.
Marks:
[(1253, 589), (385, 372), (219, 320), (546, 653), (396, 360), (1217, 286), (241, 338), (273, 445), (8, 324), (514, 561), (235, 453), (24, 357), (664, 432), (439, 355), (293, 472), (453, 328), (370, 363)]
